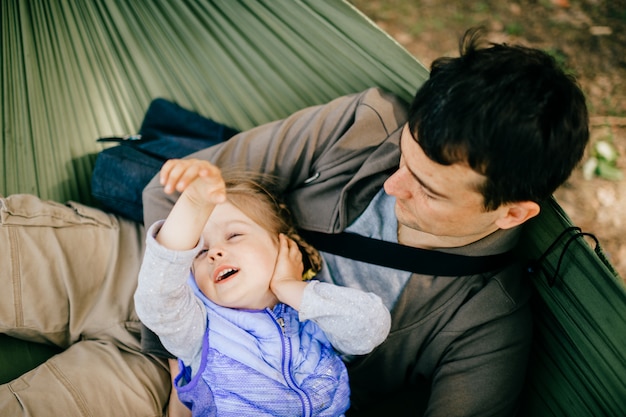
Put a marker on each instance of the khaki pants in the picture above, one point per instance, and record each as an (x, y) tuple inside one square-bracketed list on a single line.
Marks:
[(68, 274)]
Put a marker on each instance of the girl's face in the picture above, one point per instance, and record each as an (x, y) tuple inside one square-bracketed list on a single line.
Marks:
[(236, 265)]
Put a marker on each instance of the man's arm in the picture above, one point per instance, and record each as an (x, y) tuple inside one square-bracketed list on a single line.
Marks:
[(320, 148)]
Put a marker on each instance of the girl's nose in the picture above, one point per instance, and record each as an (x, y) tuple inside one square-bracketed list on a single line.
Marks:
[(215, 254)]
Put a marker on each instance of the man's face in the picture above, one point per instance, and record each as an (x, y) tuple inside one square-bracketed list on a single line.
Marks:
[(437, 205)]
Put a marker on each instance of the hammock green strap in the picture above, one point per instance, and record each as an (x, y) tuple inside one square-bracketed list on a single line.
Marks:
[(76, 70), (578, 360)]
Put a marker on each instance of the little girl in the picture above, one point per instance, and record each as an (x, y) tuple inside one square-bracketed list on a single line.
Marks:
[(222, 285)]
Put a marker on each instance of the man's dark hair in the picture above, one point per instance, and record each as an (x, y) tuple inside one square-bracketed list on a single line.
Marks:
[(510, 112)]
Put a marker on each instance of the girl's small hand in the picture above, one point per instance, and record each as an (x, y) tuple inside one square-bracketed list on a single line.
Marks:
[(289, 267), (199, 179)]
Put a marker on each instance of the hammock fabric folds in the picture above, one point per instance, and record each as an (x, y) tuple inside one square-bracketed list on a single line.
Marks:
[(76, 70)]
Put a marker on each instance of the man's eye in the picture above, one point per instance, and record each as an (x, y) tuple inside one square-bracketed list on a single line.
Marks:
[(425, 193), (202, 253)]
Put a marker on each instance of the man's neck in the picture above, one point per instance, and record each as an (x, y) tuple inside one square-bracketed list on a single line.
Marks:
[(419, 239)]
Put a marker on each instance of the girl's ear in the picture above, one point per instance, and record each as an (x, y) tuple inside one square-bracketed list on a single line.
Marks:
[(517, 213)]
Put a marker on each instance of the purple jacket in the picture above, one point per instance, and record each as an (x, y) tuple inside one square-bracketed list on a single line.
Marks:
[(264, 363)]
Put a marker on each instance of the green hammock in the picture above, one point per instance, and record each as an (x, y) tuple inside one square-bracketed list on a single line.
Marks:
[(75, 70)]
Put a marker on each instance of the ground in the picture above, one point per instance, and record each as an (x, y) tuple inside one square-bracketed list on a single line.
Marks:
[(588, 37)]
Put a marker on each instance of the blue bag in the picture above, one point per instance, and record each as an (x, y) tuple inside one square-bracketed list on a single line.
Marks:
[(167, 131)]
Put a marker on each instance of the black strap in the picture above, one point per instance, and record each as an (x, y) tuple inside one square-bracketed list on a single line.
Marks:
[(406, 258)]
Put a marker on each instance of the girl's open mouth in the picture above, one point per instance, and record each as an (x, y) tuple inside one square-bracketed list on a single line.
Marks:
[(225, 274)]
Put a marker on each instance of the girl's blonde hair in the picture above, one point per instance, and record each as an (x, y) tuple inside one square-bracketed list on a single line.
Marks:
[(251, 193)]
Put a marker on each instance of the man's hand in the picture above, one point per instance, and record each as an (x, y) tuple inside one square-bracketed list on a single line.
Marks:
[(175, 407)]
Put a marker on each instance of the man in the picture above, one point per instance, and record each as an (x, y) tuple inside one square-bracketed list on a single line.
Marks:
[(490, 135), (487, 137)]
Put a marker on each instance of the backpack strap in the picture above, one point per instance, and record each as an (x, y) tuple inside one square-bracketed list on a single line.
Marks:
[(406, 258)]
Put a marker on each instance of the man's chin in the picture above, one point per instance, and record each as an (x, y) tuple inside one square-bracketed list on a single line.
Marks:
[(404, 221)]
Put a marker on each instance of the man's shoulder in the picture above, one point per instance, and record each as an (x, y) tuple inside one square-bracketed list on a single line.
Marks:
[(384, 103), (505, 294)]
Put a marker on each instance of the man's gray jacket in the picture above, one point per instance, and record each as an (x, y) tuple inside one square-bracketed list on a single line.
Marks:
[(458, 345)]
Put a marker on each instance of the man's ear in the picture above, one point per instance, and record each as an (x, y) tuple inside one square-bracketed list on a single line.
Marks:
[(517, 213)]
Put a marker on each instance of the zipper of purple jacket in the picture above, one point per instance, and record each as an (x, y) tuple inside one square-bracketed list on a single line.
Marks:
[(286, 355)]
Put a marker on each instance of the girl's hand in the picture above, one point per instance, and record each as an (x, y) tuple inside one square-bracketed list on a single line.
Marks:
[(287, 282), (200, 180)]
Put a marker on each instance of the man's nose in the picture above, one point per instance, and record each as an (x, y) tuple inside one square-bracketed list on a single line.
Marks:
[(397, 184)]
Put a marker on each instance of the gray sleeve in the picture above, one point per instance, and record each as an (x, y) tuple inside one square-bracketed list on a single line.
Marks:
[(312, 154), (166, 304), (289, 148), (355, 322)]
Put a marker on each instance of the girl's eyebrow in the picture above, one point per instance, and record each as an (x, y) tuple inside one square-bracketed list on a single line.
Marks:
[(238, 222)]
